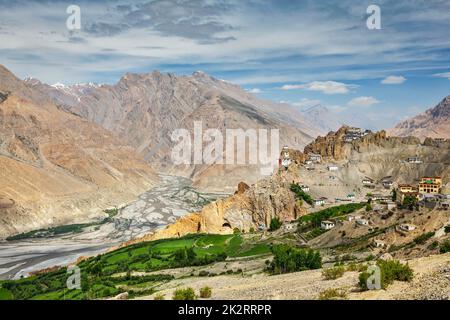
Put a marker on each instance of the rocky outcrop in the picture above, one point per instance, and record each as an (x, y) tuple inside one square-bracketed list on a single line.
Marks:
[(254, 207), (333, 146)]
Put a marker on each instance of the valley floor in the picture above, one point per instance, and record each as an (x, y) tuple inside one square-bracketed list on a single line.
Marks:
[(153, 210)]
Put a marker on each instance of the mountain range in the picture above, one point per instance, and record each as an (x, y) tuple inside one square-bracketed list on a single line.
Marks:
[(144, 109), (57, 167), (433, 123)]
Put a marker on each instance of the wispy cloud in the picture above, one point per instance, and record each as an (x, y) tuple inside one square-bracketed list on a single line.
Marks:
[(327, 87), (393, 80), (443, 75), (254, 90), (363, 102)]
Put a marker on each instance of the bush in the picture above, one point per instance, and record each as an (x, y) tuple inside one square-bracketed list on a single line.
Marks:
[(313, 220), (332, 294), (368, 207), (424, 237), (444, 247), (159, 296), (275, 224), (288, 258), (184, 294), (333, 273), (390, 270), (433, 245), (447, 229), (205, 292), (301, 195), (203, 273), (356, 267)]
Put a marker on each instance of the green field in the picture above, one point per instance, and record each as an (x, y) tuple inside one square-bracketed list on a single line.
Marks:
[(108, 274)]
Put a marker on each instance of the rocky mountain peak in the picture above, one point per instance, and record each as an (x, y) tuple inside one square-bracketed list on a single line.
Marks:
[(434, 123)]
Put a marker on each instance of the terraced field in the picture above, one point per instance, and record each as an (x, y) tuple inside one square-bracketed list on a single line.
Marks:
[(112, 273)]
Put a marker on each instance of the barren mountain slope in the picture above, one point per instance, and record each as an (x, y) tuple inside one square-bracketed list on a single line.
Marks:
[(56, 167), (434, 123), (144, 110)]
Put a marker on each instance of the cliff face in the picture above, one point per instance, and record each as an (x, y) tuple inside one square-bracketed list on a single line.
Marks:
[(333, 146)]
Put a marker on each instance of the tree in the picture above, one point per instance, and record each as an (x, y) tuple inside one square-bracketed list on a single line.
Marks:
[(410, 202), (394, 194), (288, 258), (275, 224)]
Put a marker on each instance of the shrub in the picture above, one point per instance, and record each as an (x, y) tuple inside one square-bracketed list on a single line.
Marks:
[(368, 207), (444, 247), (301, 195), (332, 294), (356, 267), (288, 258), (447, 229), (184, 294), (159, 296), (205, 292), (275, 224), (333, 273), (424, 237), (433, 245), (390, 270)]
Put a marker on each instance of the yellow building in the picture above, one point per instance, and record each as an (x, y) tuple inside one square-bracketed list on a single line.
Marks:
[(407, 188), (430, 185)]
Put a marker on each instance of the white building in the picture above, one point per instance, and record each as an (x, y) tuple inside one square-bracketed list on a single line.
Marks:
[(362, 222), (379, 244), (367, 180), (320, 201), (315, 157), (332, 168), (352, 217), (407, 227), (327, 225), (304, 188), (391, 205), (415, 159)]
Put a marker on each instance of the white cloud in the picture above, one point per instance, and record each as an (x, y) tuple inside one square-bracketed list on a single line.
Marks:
[(363, 102), (254, 90), (393, 80), (443, 75), (327, 87)]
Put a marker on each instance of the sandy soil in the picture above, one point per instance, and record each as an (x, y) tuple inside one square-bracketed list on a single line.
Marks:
[(431, 281)]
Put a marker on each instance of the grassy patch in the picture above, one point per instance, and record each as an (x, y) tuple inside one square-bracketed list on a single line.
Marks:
[(100, 274)]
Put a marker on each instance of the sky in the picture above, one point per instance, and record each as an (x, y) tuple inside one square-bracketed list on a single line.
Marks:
[(306, 52)]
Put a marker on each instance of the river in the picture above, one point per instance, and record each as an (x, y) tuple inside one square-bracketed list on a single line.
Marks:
[(153, 210)]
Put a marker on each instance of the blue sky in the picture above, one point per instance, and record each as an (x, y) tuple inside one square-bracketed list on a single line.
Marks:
[(302, 52)]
